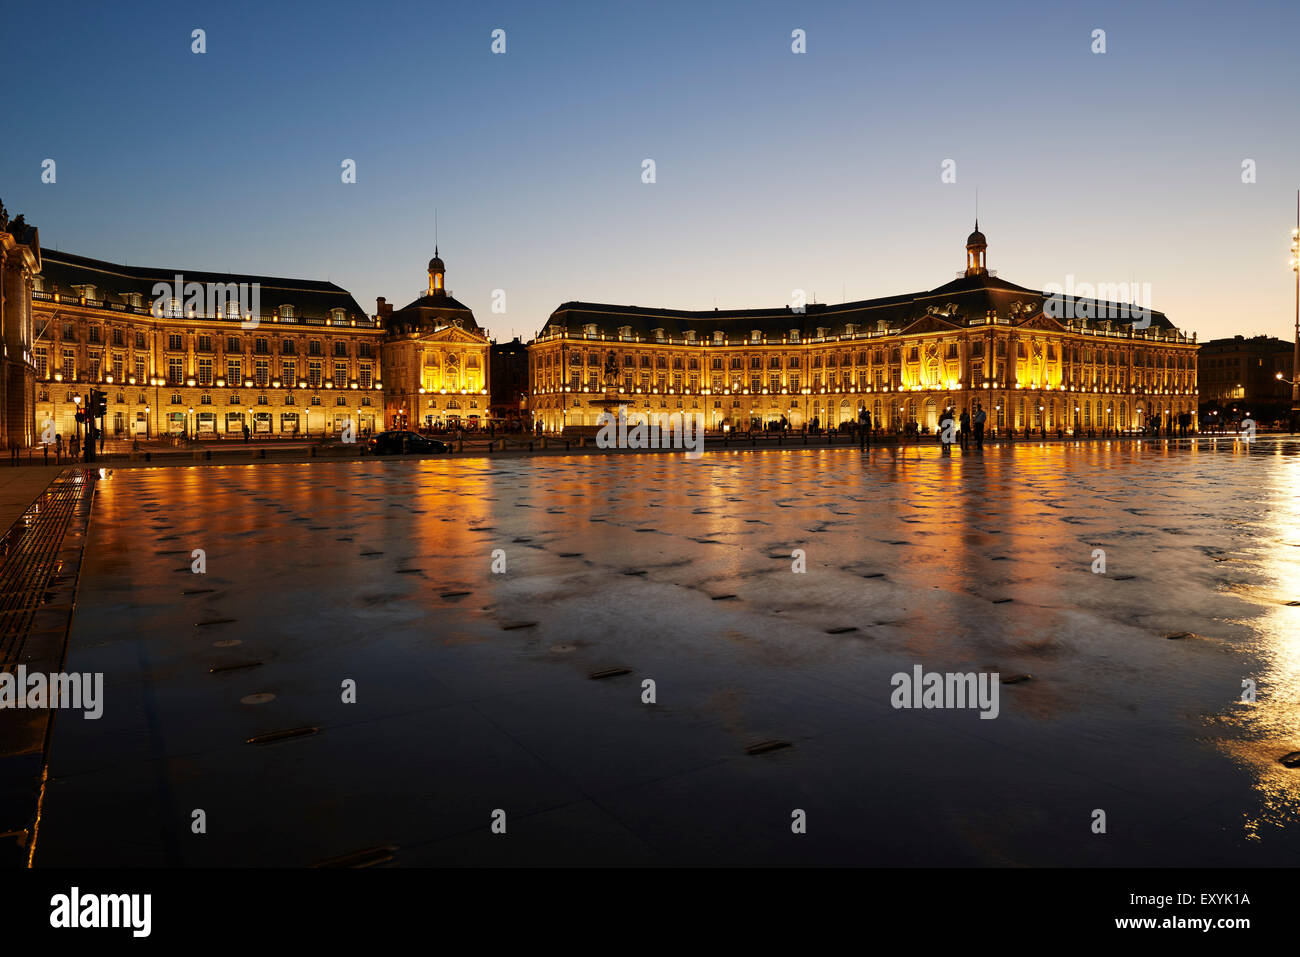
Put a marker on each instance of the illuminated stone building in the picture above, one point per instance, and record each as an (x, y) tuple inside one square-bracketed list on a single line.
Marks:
[(199, 361), (435, 360), (20, 262), (904, 358), (304, 365)]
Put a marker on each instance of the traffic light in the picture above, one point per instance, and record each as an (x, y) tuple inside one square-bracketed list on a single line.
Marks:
[(101, 404), (80, 416)]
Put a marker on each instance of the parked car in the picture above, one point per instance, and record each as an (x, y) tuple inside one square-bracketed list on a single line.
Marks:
[(385, 443)]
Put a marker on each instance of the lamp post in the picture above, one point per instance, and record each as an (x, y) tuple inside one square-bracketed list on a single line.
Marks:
[(1295, 356)]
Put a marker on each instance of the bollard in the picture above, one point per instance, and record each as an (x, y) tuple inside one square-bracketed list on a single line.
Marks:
[(207, 454), (530, 446), (148, 456)]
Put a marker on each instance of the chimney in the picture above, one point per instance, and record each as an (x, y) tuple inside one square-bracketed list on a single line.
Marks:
[(383, 306)]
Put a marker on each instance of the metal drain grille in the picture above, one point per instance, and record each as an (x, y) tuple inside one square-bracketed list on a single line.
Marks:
[(30, 561)]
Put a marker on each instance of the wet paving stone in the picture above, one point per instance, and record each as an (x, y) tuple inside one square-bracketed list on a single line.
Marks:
[(487, 687)]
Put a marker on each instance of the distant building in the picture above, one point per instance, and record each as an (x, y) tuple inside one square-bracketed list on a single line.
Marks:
[(509, 377), (1243, 372), (902, 358)]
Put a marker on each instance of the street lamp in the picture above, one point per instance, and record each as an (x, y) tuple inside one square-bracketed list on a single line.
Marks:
[(1295, 356)]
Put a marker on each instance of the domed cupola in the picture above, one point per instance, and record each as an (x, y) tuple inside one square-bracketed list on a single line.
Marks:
[(976, 245), (437, 272)]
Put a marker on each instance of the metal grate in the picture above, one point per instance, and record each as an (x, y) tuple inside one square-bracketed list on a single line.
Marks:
[(30, 561)]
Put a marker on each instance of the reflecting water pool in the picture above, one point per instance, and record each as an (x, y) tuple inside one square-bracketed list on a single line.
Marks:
[(643, 659)]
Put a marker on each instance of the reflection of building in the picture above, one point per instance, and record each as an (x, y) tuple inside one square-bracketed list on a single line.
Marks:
[(306, 364), (20, 262), (435, 360), (904, 358), (509, 378), (1244, 371)]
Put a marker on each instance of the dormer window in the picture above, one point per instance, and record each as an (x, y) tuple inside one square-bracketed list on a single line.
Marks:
[(850, 329), (690, 335), (658, 334), (85, 291), (339, 316), (625, 332), (822, 331), (286, 312), (755, 335), (717, 337), (794, 335), (589, 329), (135, 299)]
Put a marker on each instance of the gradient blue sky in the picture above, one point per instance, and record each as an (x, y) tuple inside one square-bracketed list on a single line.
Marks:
[(776, 171)]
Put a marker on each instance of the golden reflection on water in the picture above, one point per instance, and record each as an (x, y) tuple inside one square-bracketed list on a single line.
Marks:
[(1270, 727), (1245, 500)]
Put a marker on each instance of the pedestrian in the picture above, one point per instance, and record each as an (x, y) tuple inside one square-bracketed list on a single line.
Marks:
[(964, 434), (45, 448), (946, 429), (76, 447), (980, 417), (58, 449), (246, 433)]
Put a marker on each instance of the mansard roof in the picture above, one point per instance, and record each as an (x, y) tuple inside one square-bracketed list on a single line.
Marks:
[(955, 303), (432, 312), (114, 282)]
